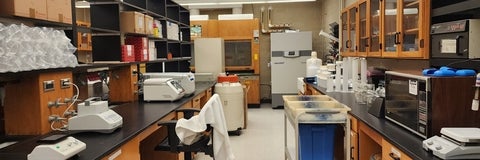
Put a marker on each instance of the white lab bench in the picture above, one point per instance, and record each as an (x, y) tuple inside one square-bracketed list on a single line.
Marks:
[(314, 110)]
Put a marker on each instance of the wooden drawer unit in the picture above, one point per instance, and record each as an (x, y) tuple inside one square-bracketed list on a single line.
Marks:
[(389, 152), (196, 101), (204, 99)]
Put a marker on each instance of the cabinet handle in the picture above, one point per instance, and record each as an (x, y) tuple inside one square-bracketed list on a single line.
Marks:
[(397, 38), (367, 42), (351, 153), (457, 40), (393, 156), (346, 44)]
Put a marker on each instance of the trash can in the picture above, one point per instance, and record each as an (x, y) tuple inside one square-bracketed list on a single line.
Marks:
[(316, 141)]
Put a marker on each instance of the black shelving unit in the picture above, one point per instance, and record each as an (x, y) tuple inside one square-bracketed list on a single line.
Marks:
[(107, 37)]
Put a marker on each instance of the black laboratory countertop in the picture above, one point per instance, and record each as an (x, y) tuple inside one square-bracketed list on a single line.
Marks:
[(401, 138), (136, 116)]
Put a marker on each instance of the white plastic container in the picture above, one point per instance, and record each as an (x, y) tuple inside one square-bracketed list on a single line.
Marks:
[(232, 98), (313, 65)]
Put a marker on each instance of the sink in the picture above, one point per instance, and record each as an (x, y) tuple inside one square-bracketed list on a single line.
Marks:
[(307, 98)]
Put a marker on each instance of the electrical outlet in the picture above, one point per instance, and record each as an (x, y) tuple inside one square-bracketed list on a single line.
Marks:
[(48, 85), (64, 83)]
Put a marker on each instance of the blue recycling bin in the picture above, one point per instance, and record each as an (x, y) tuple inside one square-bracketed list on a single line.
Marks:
[(316, 141)]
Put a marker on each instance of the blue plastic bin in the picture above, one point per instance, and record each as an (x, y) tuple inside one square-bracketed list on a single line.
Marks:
[(316, 141)]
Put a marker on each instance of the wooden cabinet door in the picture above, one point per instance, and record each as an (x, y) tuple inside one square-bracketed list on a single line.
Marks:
[(412, 28), (353, 145), (404, 29), (389, 152), (373, 28), (390, 33), (362, 21), (349, 29)]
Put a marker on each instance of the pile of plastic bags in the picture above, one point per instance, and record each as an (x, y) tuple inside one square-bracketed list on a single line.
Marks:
[(24, 48)]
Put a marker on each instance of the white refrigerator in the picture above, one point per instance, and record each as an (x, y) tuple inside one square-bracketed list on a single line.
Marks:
[(289, 53)]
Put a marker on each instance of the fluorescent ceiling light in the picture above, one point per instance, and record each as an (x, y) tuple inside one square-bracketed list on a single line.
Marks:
[(82, 4), (241, 2)]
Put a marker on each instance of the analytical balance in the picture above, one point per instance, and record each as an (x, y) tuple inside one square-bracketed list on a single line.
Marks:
[(455, 143)]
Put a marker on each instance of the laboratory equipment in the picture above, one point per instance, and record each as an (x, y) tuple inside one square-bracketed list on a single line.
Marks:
[(455, 143), (289, 53), (313, 65), (231, 94), (310, 123), (162, 89), (95, 116), (57, 151), (186, 79)]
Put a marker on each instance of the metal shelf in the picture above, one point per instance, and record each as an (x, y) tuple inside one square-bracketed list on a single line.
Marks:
[(456, 8)]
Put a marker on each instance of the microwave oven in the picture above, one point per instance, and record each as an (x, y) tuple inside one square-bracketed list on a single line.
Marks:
[(456, 39), (423, 104)]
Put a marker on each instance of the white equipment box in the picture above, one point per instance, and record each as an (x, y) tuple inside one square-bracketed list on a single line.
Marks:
[(186, 79), (58, 151), (95, 116), (455, 143), (162, 89)]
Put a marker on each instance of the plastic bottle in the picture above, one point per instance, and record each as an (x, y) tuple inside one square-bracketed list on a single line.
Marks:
[(313, 64)]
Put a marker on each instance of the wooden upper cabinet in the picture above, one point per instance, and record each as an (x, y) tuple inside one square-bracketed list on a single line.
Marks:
[(236, 29), (405, 29), (386, 28), (373, 28), (349, 31), (208, 28), (362, 38)]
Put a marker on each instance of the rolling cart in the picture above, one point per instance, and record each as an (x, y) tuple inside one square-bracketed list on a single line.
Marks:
[(310, 123)]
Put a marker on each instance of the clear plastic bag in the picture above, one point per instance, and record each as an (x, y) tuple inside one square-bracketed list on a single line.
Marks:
[(26, 48)]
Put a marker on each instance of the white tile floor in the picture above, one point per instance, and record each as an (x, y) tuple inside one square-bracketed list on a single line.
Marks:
[(263, 139)]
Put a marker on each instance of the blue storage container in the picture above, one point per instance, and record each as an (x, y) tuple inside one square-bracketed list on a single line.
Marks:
[(316, 141)]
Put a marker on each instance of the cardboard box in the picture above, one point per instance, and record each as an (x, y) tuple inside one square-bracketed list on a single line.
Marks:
[(148, 25), (141, 47), (132, 22), (24, 8), (59, 11)]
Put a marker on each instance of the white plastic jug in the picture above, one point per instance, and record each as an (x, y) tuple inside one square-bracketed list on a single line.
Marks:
[(313, 65)]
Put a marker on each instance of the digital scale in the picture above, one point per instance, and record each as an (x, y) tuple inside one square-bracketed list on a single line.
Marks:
[(455, 143), (63, 149)]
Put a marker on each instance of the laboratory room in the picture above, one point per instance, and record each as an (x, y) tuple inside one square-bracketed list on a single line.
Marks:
[(239, 79)]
